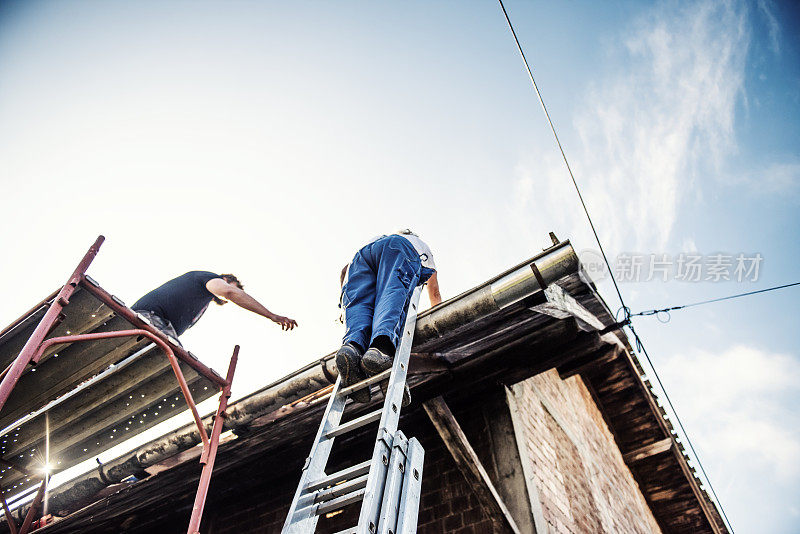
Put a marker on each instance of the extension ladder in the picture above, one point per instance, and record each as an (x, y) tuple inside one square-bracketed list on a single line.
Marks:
[(388, 484)]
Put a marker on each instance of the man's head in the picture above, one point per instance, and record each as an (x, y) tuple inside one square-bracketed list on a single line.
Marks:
[(232, 280), (406, 231)]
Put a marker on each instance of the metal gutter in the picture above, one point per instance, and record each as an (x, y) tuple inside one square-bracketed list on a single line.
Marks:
[(515, 284)]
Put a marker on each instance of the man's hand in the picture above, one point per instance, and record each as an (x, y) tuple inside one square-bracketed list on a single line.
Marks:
[(285, 322), (224, 290)]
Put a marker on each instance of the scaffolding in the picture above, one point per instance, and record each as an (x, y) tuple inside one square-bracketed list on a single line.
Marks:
[(83, 373)]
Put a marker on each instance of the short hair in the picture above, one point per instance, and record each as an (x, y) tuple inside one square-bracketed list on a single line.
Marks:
[(343, 274), (231, 279), (406, 231)]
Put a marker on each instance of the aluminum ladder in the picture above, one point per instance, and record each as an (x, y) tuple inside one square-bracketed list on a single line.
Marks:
[(389, 483)]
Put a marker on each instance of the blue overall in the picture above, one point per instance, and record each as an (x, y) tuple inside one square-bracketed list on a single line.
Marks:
[(380, 281)]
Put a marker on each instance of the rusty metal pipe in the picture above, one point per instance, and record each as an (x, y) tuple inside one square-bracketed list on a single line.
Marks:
[(12, 525), (210, 454), (136, 333), (37, 501), (43, 328), (187, 395)]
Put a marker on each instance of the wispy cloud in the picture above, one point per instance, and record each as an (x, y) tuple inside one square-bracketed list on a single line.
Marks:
[(662, 114), (741, 403), (782, 177), (767, 9), (666, 116)]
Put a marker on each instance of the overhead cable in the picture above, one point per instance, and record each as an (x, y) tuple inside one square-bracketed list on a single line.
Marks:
[(729, 297)]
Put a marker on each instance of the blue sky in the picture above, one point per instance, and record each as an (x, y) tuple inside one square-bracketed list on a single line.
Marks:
[(271, 139)]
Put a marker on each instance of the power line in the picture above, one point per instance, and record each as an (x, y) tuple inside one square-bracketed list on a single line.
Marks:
[(563, 155), (605, 258), (673, 308)]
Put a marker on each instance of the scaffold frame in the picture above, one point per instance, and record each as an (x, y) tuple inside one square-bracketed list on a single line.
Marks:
[(38, 343)]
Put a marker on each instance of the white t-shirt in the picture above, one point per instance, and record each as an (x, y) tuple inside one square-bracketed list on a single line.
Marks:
[(422, 248)]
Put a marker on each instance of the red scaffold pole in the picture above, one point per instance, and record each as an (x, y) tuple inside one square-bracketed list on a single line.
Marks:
[(155, 339), (210, 454), (43, 328)]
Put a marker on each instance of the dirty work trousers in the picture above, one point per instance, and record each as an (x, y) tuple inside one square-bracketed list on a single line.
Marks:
[(380, 281), (160, 323)]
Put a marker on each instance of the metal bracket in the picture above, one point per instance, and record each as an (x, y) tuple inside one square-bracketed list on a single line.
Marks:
[(538, 275), (328, 375), (561, 305)]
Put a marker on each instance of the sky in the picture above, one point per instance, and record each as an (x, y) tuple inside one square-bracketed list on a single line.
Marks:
[(272, 139)]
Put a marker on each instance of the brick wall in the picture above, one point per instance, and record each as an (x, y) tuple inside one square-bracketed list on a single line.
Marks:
[(577, 470), (448, 504)]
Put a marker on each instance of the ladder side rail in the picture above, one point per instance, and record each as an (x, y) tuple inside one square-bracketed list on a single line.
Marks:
[(390, 505), (302, 518), (370, 507), (412, 489)]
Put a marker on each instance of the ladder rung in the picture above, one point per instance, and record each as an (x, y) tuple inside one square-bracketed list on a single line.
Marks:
[(355, 423), (345, 474), (341, 489), (340, 502), (344, 392), (351, 530)]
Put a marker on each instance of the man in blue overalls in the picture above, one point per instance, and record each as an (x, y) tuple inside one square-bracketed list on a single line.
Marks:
[(375, 297)]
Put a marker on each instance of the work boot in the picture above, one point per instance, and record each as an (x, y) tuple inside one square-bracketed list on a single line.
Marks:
[(375, 362), (348, 362)]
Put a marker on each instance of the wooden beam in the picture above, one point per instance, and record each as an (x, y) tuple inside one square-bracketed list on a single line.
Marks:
[(468, 463), (422, 362), (539, 523), (708, 508), (503, 460), (589, 361), (659, 447)]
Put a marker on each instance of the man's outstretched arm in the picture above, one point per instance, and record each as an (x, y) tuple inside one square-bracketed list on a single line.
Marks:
[(433, 290), (224, 290)]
